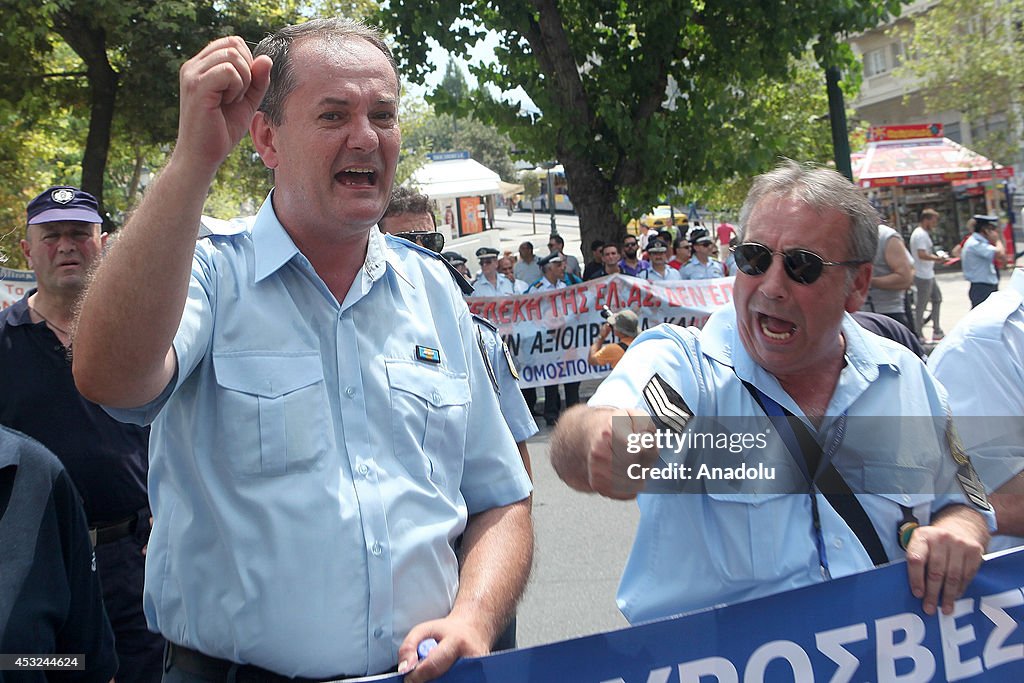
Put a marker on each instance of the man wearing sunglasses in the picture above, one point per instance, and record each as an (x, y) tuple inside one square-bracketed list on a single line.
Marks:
[(630, 263), (683, 251), (410, 216), (702, 266), (490, 282), (786, 349)]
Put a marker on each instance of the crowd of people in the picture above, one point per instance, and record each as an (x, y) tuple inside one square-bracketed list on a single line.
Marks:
[(291, 452)]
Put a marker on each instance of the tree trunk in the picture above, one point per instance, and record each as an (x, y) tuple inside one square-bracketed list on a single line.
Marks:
[(594, 199), (90, 43)]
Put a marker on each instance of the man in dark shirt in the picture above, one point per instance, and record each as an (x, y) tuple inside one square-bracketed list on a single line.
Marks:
[(107, 460), (50, 598)]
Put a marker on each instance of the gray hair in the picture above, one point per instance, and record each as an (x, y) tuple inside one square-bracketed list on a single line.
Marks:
[(278, 46), (822, 189)]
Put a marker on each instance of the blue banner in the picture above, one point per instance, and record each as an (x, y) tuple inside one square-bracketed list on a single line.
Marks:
[(866, 627)]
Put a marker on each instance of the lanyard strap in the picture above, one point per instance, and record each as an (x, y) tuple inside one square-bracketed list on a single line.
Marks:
[(798, 439)]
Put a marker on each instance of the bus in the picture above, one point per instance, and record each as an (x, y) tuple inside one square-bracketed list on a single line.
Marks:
[(561, 191)]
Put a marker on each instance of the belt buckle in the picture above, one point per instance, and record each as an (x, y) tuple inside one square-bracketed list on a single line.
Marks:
[(92, 535)]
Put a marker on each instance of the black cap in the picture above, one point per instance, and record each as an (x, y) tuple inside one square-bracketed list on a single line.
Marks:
[(550, 258), (656, 247), (487, 252), (63, 204), (985, 218), (454, 257)]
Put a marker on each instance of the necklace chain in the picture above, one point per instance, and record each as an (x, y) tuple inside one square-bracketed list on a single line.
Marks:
[(49, 322)]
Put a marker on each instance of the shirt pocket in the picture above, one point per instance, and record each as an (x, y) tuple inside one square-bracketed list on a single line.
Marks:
[(898, 489), (430, 409), (753, 538), (274, 413)]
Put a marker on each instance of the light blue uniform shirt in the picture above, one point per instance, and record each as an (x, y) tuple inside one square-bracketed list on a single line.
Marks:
[(981, 364), (976, 260), (502, 286), (695, 270), (310, 470), (510, 398), (695, 550), (654, 276)]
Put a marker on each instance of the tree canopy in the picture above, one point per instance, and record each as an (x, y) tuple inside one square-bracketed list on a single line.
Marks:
[(967, 55), (90, 94), (634, 98)]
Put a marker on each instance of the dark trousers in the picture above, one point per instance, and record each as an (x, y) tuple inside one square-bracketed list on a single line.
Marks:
[(979, 292), (122, 567), (553, 402), (530, 396)]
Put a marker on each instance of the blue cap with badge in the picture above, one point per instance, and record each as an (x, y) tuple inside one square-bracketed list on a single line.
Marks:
[(63, 204)]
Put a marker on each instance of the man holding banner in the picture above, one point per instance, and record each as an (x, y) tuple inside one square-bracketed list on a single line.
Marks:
[(788, 355)]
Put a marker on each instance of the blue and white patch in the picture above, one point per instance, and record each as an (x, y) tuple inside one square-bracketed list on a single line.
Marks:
[(428, 354), (62, 195)]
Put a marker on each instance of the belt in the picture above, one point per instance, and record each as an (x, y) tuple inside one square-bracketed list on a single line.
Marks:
[(214, 669), (113, 532)]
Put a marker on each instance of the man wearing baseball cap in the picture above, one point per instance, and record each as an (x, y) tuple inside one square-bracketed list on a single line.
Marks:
[(107, 460)]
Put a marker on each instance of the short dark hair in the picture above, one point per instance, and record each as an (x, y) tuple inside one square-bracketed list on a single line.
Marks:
[(558, 238), (407, 200), (278, 46), (680, 242), (597, 244), (610, 244)]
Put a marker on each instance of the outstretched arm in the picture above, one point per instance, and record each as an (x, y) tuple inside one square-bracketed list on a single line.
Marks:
[(122, 347), (591, 450)]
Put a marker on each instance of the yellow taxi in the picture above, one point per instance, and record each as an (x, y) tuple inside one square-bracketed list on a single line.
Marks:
[(658, 218)]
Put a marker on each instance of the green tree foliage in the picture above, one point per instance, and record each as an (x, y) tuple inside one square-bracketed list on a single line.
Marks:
[(635, 97), (90, 92), (968, 55), (424, 131)]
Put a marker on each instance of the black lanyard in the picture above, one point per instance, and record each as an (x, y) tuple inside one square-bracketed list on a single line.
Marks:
[(826, 479)]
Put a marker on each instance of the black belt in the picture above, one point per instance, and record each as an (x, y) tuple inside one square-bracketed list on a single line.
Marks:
[(113, 532), (214, 669)]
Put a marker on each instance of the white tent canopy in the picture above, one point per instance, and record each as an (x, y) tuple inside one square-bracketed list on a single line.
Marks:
[(456, 178)]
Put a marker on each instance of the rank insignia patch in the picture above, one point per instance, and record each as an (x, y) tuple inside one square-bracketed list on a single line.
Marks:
[(511, 362), (427, 354), (668, 408), (966, 475)]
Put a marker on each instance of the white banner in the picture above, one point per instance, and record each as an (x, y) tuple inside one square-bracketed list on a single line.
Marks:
[(550, 333), (14, 284)]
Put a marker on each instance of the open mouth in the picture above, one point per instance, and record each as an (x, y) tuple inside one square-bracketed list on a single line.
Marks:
[(775, 328), (357, 176)]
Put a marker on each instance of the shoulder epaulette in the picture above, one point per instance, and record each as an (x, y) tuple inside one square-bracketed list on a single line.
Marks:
[(459, 278), (485, 322)]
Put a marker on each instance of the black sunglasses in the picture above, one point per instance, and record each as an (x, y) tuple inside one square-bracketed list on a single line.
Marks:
[(434, 241), (801, 265)]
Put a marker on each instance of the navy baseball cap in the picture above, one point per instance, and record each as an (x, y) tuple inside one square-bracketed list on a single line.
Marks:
[(63, 204)]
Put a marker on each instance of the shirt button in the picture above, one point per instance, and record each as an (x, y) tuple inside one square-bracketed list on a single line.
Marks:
[(363, 469), (378, 632), (838, 543), (376, 549), (436, 396), (906, 498), (350, 391)]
